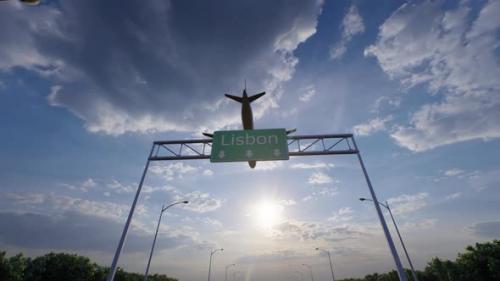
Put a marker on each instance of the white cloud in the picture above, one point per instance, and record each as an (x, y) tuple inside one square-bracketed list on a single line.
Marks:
[(453, 172), (342, 215), (157, 75), (319, 178), (307, 94), (373, 126), (118, 187), (311, 230), (87, 184), (316, 165), (453, 196), (454, 54), (287, 202), (151, 189), (408, 203), (173, 170), (208, 172), (199, 202), (352, 24), (268, 165), (59, 203), (322, 192), (419, 225)]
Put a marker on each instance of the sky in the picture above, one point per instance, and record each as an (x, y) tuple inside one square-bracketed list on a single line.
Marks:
[(87, 86)]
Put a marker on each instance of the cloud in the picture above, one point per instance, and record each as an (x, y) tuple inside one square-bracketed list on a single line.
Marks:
[(453, 172), (77, 231), (408, 203), (208, 172), (487, 229), (173, 170), (481, 180), (423, 224), (342, 215), (305, 230), (316, 165), (352, 24), (322, 192), (269, 165), (454, 53), (121, 71), (58, 203), (276, 256), (118, 187), (319, 178), (307, 94), (199, 202), (375, 125), (453, 196)]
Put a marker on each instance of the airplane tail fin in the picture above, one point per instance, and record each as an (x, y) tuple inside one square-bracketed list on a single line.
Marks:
[(254, 97), (238, 99)]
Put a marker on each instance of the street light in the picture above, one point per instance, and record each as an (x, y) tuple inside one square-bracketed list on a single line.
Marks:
[(310, 270), (386, 205), (212, 252), (330, 259), (228, 266), (163, 209)]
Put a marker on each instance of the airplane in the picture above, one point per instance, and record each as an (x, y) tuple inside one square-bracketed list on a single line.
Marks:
[(246, 115)]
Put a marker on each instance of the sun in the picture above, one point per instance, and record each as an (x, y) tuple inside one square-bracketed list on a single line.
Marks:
[(267, 213)]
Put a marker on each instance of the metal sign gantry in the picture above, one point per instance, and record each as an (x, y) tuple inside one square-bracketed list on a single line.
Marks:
[(299, 145)]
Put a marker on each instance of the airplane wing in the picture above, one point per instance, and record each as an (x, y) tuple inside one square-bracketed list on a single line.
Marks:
[(254, 97), (238, 99), (208, 135)]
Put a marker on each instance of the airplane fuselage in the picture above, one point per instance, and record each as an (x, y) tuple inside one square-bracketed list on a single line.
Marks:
[(246, 114)]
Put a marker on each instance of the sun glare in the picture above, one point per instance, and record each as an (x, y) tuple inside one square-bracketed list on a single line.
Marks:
[(267, 213)]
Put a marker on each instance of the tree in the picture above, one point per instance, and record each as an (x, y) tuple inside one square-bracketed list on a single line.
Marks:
[(60, 267), (12, 268), (481, 262)]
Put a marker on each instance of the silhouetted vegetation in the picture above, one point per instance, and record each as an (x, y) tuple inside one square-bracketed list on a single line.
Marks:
[(479, 263), (62, 267)]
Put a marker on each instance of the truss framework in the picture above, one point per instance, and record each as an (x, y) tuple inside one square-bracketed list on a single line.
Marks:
[(300, 145)]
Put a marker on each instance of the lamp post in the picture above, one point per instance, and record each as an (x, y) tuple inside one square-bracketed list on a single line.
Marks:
[(212, 252), (397, 260), (310, 270), (163, 209), (330, 259), (386, 205), (228, 266)]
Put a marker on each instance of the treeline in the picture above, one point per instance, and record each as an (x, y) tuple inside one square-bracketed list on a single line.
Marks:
[(62, 267), (479, 263)]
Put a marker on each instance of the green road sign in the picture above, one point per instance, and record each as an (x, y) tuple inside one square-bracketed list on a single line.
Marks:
[(247, 145)]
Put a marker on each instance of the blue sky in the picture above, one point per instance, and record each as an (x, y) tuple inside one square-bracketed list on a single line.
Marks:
[(86, 87)]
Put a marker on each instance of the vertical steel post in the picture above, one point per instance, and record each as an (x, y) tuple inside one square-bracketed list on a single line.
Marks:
[(112, 272), (331, 266), (402, 243), (210, 265), (399, 266), (153, 246)]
